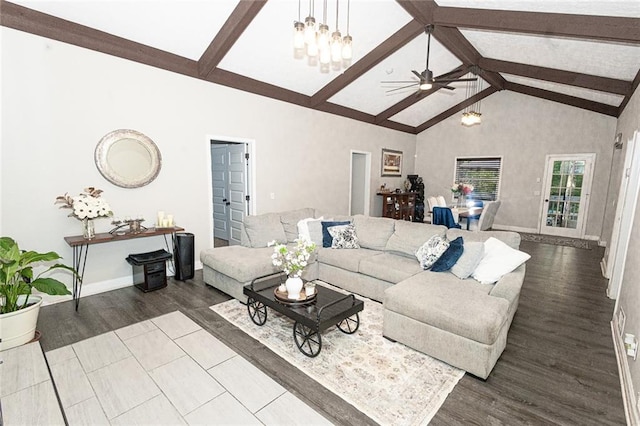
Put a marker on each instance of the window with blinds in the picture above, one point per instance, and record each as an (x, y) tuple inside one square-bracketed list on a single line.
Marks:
[(483, 173)]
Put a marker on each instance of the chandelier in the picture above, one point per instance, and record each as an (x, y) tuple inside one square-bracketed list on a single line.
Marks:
[(321, 47), (471, 114)]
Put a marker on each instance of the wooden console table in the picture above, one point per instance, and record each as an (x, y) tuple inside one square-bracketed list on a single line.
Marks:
[(80, 246)]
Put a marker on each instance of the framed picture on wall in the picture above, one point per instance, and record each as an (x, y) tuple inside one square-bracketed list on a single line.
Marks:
[(391, 162)]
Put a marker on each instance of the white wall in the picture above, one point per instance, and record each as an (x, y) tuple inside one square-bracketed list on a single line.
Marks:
[(523, 130), (629, 298), (58, 100)]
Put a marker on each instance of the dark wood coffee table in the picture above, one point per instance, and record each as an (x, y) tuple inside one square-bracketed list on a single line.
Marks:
[(326, 309)]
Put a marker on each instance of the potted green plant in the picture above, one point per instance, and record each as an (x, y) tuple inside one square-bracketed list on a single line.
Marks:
[(18, 307)]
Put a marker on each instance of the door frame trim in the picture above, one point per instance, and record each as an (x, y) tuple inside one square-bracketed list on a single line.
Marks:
[(250, 170), (367, 183), (541, 210)]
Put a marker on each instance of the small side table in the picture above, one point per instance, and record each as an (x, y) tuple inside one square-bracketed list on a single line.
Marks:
[(80, 246)]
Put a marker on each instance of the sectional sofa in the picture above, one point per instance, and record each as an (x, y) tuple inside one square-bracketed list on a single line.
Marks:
[(460, 321)]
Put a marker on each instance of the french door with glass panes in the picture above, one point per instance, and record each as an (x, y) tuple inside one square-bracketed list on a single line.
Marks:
[(566, 194)]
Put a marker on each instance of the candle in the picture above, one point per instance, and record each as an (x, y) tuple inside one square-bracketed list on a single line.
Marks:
[(165, 223), (170, 219), (160, 217)]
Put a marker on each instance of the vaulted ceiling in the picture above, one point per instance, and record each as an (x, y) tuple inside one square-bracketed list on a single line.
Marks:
[(583, 53)]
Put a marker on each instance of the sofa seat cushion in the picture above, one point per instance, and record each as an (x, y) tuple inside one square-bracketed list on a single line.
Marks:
[(443, 301), (408, 237), (240, 263), (389, 267), (345, 259)]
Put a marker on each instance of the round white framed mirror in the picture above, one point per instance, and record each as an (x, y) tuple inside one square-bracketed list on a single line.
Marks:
[(128, 158)]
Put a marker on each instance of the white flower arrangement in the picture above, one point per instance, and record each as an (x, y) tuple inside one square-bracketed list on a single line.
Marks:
[(86, 205), (293, 260)]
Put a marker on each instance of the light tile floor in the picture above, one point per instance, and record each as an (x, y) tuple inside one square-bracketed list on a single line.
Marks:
[(165, 371)]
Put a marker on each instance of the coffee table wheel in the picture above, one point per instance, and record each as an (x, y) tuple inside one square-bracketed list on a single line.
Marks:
[(349, 325), (257, 311), (307, 340)]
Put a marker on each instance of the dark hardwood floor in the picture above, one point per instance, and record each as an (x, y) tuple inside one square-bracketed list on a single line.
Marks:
[(559, 365)]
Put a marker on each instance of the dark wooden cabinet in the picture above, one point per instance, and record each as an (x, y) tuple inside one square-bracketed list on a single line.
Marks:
[(400, 205)]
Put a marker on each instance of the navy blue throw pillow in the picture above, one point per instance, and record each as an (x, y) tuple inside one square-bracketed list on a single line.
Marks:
[(327, 239), (450, 256)]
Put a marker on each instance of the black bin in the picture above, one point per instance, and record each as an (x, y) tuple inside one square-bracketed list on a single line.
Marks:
[(184, 252), (149, 269)]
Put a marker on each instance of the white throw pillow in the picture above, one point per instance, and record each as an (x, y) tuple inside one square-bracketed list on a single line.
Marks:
[(431, 251), (499, 259), (315, 230), (303, 228)]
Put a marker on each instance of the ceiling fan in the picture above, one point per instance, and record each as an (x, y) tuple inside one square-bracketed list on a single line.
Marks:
[(426, 80)]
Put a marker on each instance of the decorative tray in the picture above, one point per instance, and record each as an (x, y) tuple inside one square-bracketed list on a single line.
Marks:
[(282, 297)]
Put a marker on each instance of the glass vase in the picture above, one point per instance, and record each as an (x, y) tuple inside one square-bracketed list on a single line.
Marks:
[(88, 230), (462, 200)]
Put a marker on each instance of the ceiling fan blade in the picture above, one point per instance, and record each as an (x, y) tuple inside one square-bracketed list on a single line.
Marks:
[(454, 80), (418, 74), (400, 88), (446, 74), (448, 87)]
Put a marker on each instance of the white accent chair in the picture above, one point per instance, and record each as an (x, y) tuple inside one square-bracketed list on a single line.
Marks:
[(489, 211)]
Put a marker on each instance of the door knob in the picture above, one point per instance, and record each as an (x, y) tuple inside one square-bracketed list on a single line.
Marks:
[(228, 203)]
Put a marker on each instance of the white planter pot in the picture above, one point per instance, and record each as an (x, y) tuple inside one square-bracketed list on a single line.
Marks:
[(19, 327)]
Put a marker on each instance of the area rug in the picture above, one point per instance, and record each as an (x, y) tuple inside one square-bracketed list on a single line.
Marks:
[(558, 241), (387, 381)]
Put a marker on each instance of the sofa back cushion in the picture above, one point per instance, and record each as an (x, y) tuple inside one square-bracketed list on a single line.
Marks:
[(290, 219), (373, 232), (408, 237), (263, 228), (512, 239)]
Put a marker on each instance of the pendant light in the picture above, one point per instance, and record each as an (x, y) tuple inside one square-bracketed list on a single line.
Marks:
[(328, 49)]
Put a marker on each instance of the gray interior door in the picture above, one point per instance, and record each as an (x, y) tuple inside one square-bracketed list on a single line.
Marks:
[(219, 176), (237, 186), (229, 181)]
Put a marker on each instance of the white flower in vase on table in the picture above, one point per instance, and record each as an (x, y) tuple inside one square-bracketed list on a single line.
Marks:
[(292, 261), (86, 206)]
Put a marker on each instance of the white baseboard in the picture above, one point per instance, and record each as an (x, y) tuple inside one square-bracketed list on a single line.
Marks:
[(629, 400), (100, 287), (514, 229)]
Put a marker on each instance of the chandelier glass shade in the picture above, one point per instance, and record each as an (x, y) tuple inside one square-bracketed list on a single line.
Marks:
[(320, 46), (471, 115)]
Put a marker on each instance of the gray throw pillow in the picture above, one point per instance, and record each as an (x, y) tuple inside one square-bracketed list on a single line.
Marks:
[(471, 256), (431, 251)]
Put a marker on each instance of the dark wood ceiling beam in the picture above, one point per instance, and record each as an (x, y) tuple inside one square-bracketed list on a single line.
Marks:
[(456, 43), (246, 84), (550, 24), (563, 99), (361, 116), (238, 21), (415, 97), (634, 87), (38, 23), (389, 46), (603, 84), (257, 87), (422, 10), (456, 108)]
